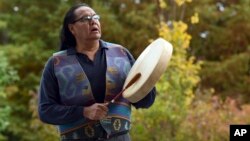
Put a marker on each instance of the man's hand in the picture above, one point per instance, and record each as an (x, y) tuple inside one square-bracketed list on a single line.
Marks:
[(96, 111)]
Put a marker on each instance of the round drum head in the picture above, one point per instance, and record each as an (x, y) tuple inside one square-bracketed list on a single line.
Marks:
[(151, 64)]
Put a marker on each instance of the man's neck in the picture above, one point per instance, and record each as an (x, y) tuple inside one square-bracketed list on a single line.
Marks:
[(88, 48)]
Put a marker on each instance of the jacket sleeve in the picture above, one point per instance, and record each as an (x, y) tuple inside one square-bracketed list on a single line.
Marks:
[(50, 109), (149, 99)]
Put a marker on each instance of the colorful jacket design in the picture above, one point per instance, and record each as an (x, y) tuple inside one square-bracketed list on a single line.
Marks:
[(75, 88)]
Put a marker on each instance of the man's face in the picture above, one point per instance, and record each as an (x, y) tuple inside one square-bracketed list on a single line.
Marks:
[(86, 26)]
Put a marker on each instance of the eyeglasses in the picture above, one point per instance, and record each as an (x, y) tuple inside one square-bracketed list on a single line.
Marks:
[(86, 19)]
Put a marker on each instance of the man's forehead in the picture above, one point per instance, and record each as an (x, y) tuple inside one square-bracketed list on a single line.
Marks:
[(84, 10)]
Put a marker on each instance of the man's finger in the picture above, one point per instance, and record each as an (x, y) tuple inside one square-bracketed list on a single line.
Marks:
[(103, 107)]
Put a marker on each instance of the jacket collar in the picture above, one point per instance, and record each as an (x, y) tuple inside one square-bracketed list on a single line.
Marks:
[(72, 50)]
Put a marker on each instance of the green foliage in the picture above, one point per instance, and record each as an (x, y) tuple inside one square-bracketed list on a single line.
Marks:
[(225, 25), (222, 40), (8, 76), (29, 35), (234, 80), (224, 46), (7, 73), (29, 68)]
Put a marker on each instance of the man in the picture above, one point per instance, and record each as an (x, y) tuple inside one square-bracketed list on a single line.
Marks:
[(79, 81)]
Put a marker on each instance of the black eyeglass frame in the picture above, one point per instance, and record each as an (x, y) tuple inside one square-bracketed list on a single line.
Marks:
[(87, 18)]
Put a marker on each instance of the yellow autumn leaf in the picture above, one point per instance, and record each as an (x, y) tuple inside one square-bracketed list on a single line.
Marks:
[(181, 2), (163, 4), (195, 18)]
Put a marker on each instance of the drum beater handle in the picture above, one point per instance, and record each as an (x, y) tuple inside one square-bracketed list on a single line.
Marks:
[(131, 82)]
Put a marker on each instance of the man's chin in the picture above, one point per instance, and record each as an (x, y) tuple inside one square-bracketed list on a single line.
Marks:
[(95, 38)]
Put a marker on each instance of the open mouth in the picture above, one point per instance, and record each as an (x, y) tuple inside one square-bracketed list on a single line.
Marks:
[(94, 30)]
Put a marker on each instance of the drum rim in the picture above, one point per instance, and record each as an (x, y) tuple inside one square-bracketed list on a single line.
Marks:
[(138, 94)]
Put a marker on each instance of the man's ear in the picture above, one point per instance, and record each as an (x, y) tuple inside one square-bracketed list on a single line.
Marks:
[(71, 28)]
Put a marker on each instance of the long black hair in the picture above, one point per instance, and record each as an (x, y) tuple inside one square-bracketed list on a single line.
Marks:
[(67, 39)]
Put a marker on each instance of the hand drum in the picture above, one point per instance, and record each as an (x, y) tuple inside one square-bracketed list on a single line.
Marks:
[(151, 64)]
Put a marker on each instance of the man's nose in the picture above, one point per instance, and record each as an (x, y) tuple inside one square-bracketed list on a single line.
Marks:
[(92, 22)]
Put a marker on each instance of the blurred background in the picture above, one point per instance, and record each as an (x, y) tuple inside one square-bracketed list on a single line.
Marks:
[(205, 88)]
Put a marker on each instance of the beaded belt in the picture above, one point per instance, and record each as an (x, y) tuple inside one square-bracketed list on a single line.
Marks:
[(94, 132)]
